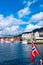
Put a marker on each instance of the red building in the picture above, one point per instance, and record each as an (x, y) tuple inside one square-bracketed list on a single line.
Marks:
[(15, 38)]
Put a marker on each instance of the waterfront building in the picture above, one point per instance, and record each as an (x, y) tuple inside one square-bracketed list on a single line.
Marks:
[(27, 37), (11, 39), (38, 35)]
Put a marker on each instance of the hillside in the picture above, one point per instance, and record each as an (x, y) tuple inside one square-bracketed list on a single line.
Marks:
[(38, 29)]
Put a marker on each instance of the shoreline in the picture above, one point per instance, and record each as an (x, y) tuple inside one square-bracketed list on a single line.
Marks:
[(35, 43), (21, 42)]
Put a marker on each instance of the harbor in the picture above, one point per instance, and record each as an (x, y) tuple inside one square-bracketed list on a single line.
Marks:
[(18, 54), (26, 38), (21, 32)]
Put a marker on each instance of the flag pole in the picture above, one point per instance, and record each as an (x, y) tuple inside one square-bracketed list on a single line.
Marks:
[(39, 53), (36, 47)]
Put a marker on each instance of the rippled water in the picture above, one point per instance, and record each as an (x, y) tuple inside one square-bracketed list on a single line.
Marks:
[(17, 54)]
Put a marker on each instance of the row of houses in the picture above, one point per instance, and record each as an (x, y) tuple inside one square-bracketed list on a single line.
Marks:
[(36, 37), (26, 37), (10, 39)]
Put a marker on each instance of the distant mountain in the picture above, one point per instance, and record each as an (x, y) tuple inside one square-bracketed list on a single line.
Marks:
[(35, 30), (38, 29), (20, 34)]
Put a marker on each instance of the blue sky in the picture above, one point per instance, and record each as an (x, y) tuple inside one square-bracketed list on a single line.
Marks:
[(18, 16)]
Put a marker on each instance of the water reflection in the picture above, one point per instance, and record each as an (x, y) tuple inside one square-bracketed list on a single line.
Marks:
[(19, 53)]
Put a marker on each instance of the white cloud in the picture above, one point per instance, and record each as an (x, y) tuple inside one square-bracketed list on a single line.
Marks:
[(14, 30), (7, 21), (10, 25), (10, 30), (23, 12), (40, 24), (26, 10), (37, 26), (10, 21), (1, 17), (37, 17), (31, 27), (0, 32)]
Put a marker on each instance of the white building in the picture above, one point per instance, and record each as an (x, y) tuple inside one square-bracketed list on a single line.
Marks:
[(26, 37), (35, 36)]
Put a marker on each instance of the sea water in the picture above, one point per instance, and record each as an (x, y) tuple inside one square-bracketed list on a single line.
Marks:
[(18, 54)]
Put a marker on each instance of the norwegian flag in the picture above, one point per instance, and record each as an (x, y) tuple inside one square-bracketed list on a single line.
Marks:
[(33, 53), (31, 57), (34, 50)]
